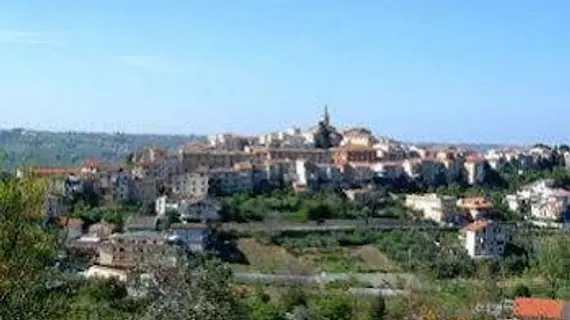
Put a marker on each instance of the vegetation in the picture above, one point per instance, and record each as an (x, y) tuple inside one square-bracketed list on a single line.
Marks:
[(53, 149), (308, 207)]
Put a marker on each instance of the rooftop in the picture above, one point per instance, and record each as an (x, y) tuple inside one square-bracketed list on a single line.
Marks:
[(533, 308)]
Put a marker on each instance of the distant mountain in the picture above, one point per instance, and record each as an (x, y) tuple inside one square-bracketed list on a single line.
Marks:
[(478, 147), (45, 148)]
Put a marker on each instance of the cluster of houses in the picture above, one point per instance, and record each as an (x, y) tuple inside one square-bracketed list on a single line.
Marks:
[(227, 164), (539, 203), (542, 203)]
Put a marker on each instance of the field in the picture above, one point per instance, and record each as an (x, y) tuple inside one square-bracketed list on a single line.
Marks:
[(265, 257)]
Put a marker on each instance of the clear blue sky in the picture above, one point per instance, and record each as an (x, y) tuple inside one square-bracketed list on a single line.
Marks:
[(461, 70)]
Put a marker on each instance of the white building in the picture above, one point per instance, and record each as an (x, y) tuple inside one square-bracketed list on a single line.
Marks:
[(435, 208), (484, 239), (228, 141), (388, 169), (475, 168)]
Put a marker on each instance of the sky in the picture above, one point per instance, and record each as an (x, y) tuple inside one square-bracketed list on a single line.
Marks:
[(425, 70)]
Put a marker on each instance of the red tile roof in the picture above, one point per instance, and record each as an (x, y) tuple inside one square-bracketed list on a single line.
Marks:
[(532, 308)]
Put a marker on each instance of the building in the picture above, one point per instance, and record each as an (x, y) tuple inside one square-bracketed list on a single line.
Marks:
[(291, 154), (144, 190), (311, 176), (194, 237), (388, 169), (475, 169), (551, 207), (123, 187), (477, 207), (440, 209), (193, 159), (229, 181), (191, 185), (203, 210), (228, 141), (129, 250), (343, 155), (484, 239), (360, 137), (540, 308)]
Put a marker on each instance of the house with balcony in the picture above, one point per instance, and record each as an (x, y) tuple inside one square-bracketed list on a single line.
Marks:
[(484, 239)]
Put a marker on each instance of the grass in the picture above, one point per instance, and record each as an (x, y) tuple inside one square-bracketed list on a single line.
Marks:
[(269, 258)]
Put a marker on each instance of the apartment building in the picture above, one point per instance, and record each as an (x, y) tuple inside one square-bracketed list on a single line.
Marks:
[(484, 239), (191, 185), (440, 209), (228, 181), (475, 168)]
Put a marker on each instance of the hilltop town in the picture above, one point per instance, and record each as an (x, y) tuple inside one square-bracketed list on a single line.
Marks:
[(323, 205)]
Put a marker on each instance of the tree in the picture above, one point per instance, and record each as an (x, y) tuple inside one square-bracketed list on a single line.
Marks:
[(333, 307), (323, 136), (28, 280), (265, 310), (378, 309), (196, 289), (553, 262), (293, 297), (521, 291)]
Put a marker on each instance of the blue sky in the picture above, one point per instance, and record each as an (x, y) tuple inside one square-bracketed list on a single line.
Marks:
[(430, 70)]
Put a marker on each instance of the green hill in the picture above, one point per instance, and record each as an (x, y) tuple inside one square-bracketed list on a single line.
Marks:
[(29, 147)]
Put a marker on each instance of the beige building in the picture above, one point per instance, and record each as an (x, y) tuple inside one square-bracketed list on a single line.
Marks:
[(484, 239), (291, 154), (191, 185), (193, 159), (360, 137), (129, 250), (440, 209), (349, 154)]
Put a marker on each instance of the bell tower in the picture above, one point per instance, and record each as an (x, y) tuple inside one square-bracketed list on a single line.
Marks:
[(326, 117)]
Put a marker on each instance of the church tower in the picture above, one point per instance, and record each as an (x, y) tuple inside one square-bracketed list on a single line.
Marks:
[(326, 117)]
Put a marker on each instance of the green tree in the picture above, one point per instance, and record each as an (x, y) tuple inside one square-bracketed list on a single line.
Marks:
[(378, 309), (293, 297), (322, 137), (553, 262), (265, 310), (333, 306), (195, 289), (521, 291), (28, 280)]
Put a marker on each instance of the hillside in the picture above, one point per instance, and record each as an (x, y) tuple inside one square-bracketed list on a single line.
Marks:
[(28, 147)]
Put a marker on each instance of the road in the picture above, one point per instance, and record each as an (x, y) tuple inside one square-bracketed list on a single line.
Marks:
[(328, 225)]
